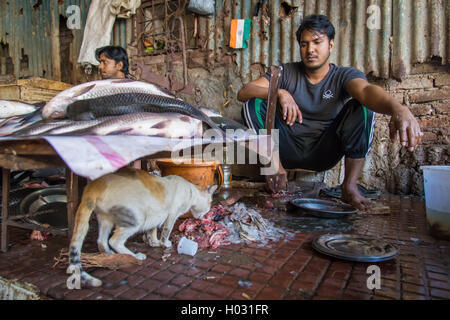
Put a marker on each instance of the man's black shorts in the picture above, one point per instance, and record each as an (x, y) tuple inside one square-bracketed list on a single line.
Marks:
[(317, 145)]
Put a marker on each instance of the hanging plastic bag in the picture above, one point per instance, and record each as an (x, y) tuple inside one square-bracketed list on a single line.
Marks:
[(203, 7)]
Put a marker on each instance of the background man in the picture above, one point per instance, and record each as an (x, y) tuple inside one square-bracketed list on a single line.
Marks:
[(318, 120), (113, 62)]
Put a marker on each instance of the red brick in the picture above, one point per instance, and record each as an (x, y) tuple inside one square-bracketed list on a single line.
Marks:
[(274, 263), (430, 95), (181, 280), (388, 292), (438, 276), (220, 290), (147, 272), (115, 277), (414, 288), (439, 284), (269, 293), (115, 291), (193, 272), (163, 276), (421, 109), (229, 280), (442, 108), (355, 295), (221, 268), (133, 294), (282, 279), (187, 294), (411, 82), (413, 279), (438, 293), (134, 280), (204, 264), (177, 268), (239, 272), (242, 294), (442, 80), (200, 285), (149, 285), (413, 296), (51, 282), (167, 290), (153, 296), (78, 294), (259, 277), (437, 269)]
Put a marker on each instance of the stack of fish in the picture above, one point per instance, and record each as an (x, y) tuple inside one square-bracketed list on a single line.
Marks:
[(105, 107)]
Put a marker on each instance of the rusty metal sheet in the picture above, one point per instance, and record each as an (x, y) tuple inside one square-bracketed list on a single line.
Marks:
[(407, 32), (27, 28)]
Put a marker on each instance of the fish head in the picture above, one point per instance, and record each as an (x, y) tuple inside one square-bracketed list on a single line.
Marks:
[(56, 107), (5, 104)]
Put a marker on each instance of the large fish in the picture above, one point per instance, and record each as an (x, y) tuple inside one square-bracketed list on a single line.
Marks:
[(40, 127), (10, 108), (168, 125), (127, 103), (56, 107)]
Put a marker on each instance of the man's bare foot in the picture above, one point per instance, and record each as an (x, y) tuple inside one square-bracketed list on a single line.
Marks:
[(352, 196)]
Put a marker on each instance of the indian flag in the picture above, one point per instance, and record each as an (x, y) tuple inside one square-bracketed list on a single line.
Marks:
[(240, 33)]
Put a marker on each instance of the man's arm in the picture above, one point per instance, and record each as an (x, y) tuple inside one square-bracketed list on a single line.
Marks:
[(260, 89), (378, 100), (256, 89)]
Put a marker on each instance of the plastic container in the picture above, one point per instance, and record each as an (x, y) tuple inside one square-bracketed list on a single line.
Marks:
[(186, 246), (437, 199)]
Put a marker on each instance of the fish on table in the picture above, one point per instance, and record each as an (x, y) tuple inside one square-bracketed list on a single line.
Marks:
[(128, 103), (57, 106), (10, 108), (168, 125)]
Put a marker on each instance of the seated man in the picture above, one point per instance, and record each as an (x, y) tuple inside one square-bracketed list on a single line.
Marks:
[(325, 112)]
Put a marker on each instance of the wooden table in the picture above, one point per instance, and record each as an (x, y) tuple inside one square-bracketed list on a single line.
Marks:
[(31, 154), (27, 155)]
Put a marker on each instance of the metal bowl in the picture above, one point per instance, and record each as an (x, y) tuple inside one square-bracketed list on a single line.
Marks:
[(54, 199), (323, 208), (354, 247)]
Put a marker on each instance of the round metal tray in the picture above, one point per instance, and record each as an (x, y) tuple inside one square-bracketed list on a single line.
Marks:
[(324, 208), (54, 199), (354, 247)]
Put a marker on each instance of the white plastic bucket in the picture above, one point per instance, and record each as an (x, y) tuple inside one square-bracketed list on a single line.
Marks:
[(437, 199)]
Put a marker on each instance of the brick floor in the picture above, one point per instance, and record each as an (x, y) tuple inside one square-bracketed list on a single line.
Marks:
[(284, 270)]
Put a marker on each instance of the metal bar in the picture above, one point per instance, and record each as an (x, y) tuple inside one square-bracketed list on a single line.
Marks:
[(5, 205), (36, 227), (272, 98), (72, 198)]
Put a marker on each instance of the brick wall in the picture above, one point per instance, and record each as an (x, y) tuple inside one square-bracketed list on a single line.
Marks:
[(427, 93)]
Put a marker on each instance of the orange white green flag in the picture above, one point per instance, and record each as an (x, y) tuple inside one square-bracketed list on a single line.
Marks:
[(240, 33)]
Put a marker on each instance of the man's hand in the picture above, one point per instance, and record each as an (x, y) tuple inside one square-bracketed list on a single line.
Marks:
[(403, 122), (290, 109)]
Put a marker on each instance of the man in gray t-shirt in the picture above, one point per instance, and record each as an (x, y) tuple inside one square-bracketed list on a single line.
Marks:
[(325, 112)]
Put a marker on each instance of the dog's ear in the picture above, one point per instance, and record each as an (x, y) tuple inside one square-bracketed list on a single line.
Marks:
[(211, 189)]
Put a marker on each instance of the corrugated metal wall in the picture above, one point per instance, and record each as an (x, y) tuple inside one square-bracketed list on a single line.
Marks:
[(415, 31), (411, 31), (26, 26)]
